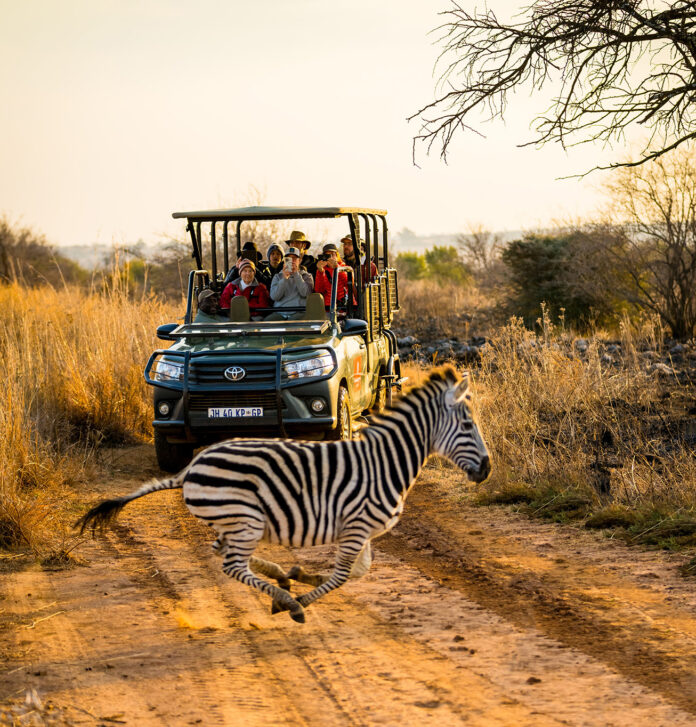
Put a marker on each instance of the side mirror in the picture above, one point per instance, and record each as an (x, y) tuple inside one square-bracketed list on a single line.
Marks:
[(164, 332), (354, 327)]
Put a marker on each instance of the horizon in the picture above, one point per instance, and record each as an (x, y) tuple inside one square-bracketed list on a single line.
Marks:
[(120, 114)]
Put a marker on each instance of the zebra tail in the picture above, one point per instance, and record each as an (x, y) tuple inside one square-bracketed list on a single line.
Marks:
[(103, 515)]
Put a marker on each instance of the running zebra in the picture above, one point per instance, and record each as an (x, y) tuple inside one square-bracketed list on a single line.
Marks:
[(313, 493)]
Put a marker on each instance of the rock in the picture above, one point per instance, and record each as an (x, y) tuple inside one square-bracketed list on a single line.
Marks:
[(649, 355), (605, 358), (613, 348), (661, 369), (581, 345), (406, 341), (676, 350)]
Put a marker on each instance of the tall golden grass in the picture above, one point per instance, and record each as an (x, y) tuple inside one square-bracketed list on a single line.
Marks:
[(560, 421), (556, 420), (71, 366)]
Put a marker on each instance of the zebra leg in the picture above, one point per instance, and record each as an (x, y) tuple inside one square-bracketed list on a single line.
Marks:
[(363, 562), (350, 548), (299, 574), (236, 565), (219, 545), (272, 570)]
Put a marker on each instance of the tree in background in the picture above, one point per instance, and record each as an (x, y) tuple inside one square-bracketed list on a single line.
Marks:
[(481, 250), (442, 264), (589, 50), (411, 265), (26, 257), (553, 270), (445, 265), (648, 238)]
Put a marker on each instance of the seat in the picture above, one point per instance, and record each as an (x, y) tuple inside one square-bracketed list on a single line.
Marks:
[(315, 310), (239, 309)]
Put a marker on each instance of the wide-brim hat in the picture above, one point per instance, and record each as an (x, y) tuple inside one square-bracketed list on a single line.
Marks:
[(330, 247), (245, 264), (298, 238), (293, 251)]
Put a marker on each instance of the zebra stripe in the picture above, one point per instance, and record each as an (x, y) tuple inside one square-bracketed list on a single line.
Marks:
[(310, 493)]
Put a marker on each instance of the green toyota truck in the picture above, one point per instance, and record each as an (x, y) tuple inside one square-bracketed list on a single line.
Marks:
[(310, 377)]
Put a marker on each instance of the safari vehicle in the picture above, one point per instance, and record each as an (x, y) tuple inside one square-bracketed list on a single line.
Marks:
[(309, 378)]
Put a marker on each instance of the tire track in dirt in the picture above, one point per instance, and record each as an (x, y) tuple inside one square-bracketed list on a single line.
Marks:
[(309, 663), (426, 638), (652, 651)]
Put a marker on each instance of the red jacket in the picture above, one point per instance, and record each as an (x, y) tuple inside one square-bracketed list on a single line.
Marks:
[(256, 293), (322, 284), (369, 270)]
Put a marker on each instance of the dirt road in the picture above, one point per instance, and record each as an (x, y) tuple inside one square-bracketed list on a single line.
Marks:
[(469, 616)]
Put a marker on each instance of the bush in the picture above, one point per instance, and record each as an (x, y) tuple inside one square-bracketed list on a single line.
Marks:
[(440, 264), (551, 270)]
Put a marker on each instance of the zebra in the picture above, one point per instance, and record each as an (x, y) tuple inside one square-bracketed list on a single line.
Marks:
[(297, 493)]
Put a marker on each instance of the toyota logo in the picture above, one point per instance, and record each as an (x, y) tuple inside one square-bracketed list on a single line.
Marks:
[(235, 373)]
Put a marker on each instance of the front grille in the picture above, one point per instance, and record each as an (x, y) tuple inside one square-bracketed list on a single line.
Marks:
[(211, 371), (201, 401)]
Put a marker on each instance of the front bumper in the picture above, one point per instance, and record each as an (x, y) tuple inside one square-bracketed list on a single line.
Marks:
[(285, 402)]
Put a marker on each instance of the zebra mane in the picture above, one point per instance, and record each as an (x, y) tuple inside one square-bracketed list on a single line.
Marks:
[(446, 374)]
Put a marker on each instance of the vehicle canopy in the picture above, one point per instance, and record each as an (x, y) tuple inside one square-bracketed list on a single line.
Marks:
[(376, 300)]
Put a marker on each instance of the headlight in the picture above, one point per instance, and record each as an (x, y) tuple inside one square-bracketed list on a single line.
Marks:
[(168, 370), (317, 366)]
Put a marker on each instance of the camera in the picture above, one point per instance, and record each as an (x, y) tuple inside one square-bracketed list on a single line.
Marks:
[(323, 256)]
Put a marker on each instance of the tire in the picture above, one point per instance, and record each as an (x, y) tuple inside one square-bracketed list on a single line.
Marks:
[(344, 419), (172, 457)]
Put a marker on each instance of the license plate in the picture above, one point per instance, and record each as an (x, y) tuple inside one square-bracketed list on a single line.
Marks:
[(232, 412)]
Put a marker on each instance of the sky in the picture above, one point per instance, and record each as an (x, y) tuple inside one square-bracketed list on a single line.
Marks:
[(117, 113)]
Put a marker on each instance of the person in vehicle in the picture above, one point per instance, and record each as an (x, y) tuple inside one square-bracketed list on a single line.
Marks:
[(368, 268), (298, 240), (274, 264), (249, 252), (247, 285), (290, 287), (326, 268), (208, 307)]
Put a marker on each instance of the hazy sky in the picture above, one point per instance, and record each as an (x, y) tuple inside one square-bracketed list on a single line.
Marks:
[(116, 113)]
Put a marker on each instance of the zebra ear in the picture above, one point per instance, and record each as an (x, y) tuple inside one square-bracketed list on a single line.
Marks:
[(457, 393)]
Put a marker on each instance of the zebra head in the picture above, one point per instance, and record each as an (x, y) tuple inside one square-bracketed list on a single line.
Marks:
[(457, 436)]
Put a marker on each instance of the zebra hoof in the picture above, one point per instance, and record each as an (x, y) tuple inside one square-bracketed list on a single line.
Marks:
[(284, 584), (298, 616)]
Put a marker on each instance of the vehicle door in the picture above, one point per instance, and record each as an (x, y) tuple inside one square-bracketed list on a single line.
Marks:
[(357, 374)]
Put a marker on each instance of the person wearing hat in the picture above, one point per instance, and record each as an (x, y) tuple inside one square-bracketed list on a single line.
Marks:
[(208, 307), (247, 285), (290, 287), (298, 240), (326, 268), (274, 264), (249, 252), (368, 268)]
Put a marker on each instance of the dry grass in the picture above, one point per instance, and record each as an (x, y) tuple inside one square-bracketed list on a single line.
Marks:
[(572, 436), (71, 365), (442, 311)]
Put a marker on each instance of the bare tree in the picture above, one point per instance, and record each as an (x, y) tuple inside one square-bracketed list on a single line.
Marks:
[(647, 240), (480, 247), (611, 65)]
